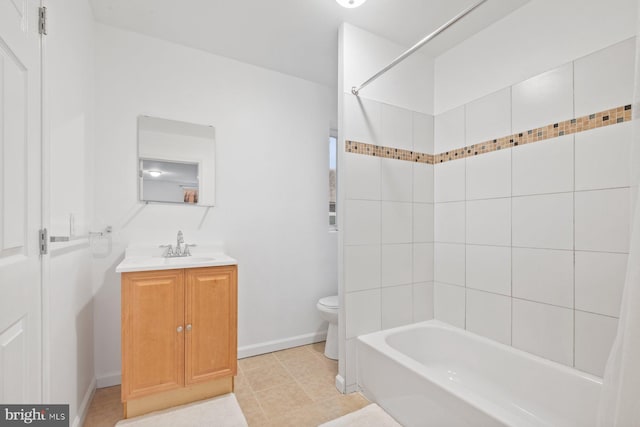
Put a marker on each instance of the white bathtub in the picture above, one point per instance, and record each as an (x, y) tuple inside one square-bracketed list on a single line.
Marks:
[(432, 374)]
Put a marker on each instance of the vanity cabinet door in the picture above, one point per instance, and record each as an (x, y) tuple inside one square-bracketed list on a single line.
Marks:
[(152, 332), (211, 323)]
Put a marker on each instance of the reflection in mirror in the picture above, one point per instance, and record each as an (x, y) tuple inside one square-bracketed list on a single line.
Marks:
[(176, 162), (171, 182)]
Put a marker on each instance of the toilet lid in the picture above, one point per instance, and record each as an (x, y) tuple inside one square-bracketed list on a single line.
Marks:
[(330, 302)]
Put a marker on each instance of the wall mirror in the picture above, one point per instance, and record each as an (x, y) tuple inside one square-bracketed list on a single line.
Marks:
[(176, 162)]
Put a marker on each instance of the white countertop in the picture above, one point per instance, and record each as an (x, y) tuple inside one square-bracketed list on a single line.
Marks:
[(149, 258), (150, 263)]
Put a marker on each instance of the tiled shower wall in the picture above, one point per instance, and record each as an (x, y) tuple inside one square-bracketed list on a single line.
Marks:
[(531, 242), (388, 222)]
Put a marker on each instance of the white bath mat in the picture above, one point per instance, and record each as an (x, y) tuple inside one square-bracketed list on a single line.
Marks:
[(222, 411), (371, 415)]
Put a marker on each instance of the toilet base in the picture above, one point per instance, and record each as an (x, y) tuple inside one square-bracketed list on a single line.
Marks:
[(331, 345)]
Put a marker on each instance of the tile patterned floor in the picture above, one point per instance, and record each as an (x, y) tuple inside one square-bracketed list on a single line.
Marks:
[(105, 409), (293, 387)]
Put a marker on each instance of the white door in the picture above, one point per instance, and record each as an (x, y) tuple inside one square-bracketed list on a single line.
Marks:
[(20, 203)]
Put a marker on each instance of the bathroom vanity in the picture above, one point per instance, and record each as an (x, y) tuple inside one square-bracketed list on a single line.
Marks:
[(179, 329)]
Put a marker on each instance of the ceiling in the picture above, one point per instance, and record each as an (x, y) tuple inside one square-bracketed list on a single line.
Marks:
[(296, 37)]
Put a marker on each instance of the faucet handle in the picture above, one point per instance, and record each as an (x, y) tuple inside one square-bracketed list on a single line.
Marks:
[(186, 251), (169, 250)]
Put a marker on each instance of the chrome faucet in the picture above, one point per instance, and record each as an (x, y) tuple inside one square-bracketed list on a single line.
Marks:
[(179, 241), (170, 252)]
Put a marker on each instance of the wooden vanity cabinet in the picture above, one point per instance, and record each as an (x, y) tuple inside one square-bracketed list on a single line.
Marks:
[(210, 318), (179, 336)]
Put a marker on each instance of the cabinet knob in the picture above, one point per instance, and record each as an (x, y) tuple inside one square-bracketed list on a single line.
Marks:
[(189, 327), (179, 329)]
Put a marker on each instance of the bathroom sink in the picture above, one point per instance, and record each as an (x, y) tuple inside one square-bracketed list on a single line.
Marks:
[(189, 259), (148, 263)]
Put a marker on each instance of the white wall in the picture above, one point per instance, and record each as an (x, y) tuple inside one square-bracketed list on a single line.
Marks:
[(385, 205), (271, 184), (70, 81), (409, 85), (532, 242), (69, 104), (537, 37)]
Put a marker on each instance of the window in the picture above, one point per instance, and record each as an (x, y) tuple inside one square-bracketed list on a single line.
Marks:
[(333, 153)]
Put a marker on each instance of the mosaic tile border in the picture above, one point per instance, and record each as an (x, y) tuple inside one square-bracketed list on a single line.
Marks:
[(388, 152), (567, 127)]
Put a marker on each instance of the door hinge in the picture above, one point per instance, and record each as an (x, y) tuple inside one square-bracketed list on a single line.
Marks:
[(42, 21), (44, 241)]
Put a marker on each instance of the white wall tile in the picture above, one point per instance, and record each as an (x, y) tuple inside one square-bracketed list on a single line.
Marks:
[(449, 130), (363, 312), (396, 265), (449, 263), (449, 304), (489, 222), (357, 267), (362, 120), (489, 175), (604, 79), (595, 335), (603, 220), (603, 157), (422, 262), (543, 221), (362, 222), (397, 306), (600, 278), (543, 99), (422, 301), (449, 222), (362, 176), (397, 178), (489, 117), (543, 275), (489, 315), (544, 330), (449, 181), (489, 268), (543, 167), (423, 133), (397, 127), (423, 222), (422, 183), (396, 222)]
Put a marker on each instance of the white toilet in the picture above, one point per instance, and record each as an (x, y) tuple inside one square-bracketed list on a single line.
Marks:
[(328, 308)]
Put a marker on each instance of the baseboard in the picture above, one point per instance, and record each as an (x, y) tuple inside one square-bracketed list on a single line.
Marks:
[(115, 378), (83, 408), (270, 346), (248, 351), (351, 388), (340, 384), (109, 380)]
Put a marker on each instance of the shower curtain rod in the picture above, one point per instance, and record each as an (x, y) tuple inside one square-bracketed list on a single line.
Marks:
[(411, 50)]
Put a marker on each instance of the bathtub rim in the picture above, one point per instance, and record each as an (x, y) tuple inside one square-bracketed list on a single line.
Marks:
[(373, 339), (376, 341)]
